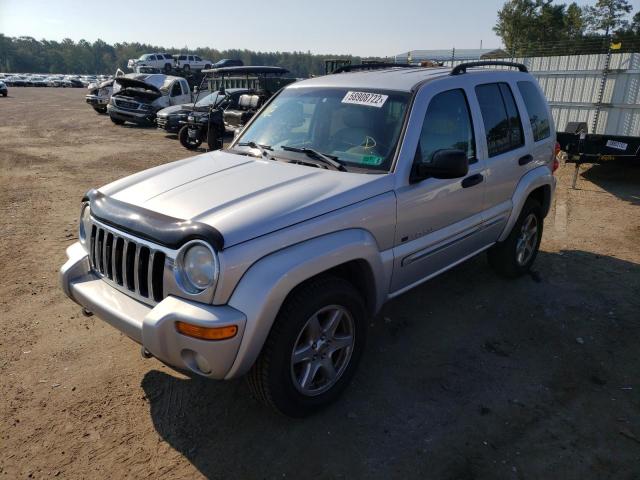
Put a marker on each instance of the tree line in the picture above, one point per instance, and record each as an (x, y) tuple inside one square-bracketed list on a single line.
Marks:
[(544, 27), (28, 55)]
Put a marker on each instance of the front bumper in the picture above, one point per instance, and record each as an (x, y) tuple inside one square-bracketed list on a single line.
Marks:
[(154, 327), (96, 101), (139, 118), (170, 123)]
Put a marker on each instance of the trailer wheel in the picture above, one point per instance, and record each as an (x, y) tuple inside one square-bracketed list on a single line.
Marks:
[(186, 141)]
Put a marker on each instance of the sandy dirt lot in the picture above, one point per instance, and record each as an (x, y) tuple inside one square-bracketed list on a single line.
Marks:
[(466, 377)]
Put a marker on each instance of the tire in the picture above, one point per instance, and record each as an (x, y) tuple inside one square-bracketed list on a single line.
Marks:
[(275, 379), (185, 141), (215, 138), (4, 94), (117, 121), (167, 67), (186, 68), (100, 110), (506, 257)]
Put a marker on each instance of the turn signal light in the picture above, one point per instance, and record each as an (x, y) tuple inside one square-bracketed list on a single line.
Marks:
[(206, 333)]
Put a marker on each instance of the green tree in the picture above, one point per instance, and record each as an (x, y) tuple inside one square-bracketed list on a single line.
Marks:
[(607, 16)]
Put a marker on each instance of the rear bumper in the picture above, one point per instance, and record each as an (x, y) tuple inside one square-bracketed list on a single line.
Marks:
[(154, 327), (139, 118)]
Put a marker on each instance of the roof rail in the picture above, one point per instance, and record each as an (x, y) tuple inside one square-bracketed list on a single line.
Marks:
[(462, 68), (371, 66)]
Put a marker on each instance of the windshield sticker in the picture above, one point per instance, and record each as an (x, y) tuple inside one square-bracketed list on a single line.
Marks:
[(365, 98), (372, 160)]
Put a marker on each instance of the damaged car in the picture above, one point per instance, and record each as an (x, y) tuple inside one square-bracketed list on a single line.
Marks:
[(99, 95), (172, 118), (136, 100)]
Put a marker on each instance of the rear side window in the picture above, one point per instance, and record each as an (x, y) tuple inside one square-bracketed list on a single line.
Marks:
[(447, 125), (537, 110), (502, 123)]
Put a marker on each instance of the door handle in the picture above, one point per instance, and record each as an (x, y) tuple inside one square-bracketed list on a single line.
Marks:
[(526, 159), (472, 180)]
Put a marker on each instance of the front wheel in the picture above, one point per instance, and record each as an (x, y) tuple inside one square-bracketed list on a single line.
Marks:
[(514, 256), (117, 121), (188, 142), (313, 348), (101, 110)]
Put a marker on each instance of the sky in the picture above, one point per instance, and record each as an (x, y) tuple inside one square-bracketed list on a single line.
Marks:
[(358, 27)]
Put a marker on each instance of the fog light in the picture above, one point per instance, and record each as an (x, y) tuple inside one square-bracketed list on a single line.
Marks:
[(206, 333)]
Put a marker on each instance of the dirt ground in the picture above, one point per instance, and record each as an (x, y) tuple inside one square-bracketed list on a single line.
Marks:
[(466, 377)]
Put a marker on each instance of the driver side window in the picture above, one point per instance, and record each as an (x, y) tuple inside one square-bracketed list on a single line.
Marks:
[(176, 89), (447, 125)]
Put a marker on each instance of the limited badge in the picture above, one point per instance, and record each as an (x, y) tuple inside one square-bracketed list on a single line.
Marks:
[(365, 98)]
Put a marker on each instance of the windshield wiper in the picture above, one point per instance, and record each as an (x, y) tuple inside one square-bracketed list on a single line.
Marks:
[(311, 153), (263, 148)]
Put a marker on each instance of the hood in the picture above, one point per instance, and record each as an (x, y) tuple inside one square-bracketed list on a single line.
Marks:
[(243, 197), (175, 109), (125, 83)]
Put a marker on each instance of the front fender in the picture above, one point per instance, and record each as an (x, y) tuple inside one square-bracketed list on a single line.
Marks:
[(264, 287), (536, 178)]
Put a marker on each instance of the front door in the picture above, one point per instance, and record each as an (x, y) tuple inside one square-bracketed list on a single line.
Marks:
[(438, 220)]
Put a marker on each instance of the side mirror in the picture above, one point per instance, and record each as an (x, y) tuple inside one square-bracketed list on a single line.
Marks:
[(446, 163)]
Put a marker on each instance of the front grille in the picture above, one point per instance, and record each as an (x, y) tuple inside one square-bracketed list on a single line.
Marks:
[(161, 121), (128, 265), (127, 105)]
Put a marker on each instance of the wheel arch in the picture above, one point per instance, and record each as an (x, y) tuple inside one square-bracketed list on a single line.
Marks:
[(538, 183), (350, 254)]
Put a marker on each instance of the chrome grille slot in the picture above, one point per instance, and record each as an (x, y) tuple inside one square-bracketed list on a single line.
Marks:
[(131, 266)]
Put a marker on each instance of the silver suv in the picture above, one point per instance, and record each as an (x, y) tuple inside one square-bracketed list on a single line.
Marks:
[(343, 192)]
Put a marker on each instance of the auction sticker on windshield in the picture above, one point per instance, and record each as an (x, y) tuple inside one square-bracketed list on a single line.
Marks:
[(365, 98)]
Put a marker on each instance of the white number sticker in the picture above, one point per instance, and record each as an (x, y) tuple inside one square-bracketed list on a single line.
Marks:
[(616, 145), (365, 98)]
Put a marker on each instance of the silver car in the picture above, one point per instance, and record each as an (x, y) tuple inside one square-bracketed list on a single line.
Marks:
[(267, 259)]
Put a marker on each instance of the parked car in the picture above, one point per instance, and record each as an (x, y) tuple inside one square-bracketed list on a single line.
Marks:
[(191, 62), (210, 126), (137, 100), (99, 96), (172, 118), (162, 61), (228, 62), (270, 257), (4, 91)]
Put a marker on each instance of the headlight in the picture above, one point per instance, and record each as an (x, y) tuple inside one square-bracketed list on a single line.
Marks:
[(196, 267), (85, 223)]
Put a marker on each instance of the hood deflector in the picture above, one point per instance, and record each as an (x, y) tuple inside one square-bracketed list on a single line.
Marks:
[(147, 224)]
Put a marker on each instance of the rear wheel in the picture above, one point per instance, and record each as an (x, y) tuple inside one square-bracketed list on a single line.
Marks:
[(117, 121), (515, 255), (190, 143), (313, 348)]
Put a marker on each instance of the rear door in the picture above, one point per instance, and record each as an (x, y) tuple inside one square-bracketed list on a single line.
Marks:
[(507, 155), (439, 221), (539, 130)]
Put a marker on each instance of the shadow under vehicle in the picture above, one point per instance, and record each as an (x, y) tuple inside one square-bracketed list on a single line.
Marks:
[(259, 83)]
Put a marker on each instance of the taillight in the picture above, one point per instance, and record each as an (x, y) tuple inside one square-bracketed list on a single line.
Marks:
[(555, 163)]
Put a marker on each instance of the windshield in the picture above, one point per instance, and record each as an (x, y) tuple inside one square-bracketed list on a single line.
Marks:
[(359, 128), (209, 100)]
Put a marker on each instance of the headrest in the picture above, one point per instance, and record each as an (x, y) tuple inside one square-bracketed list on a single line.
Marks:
[(248, 101)]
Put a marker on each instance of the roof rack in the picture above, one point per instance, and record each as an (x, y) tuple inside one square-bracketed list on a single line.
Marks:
[(462, 68), (371, 66)]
